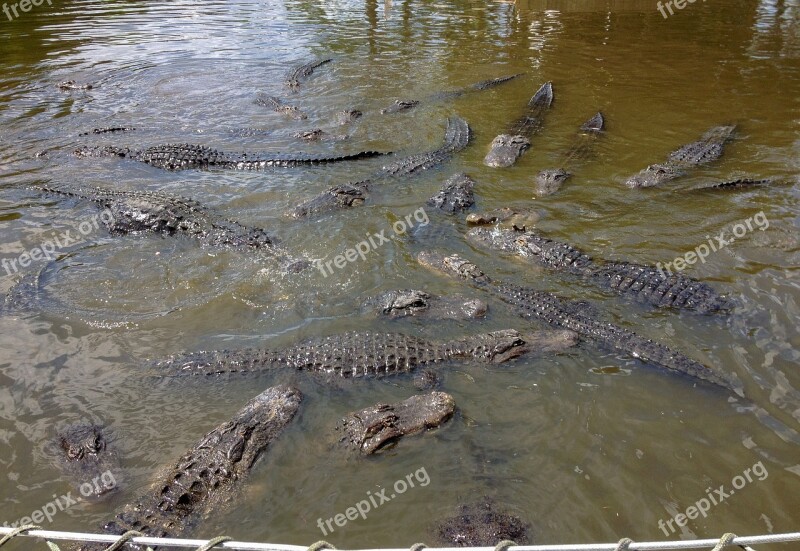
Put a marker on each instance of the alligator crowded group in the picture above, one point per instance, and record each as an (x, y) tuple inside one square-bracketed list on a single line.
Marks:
[(218, 465)]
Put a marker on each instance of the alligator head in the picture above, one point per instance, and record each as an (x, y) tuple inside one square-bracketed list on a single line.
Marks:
[(400, 105), (549, 181), (88, 459), (506, 150), (452, 265), (495, 239), (653, 175), (348, 116)]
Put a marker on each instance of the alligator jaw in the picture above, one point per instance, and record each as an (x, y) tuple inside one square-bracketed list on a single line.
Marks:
[(400, 105), (506, 150), (549, 181)]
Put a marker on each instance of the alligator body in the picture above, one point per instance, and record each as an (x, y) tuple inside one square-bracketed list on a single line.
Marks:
[(549, 181), (507, 148), (455, 196), (299, 74), (644, 283), (340, 196), (199, 157), (414, 303), (705, 150), (88, 459), (741, 183), (407, 104), (71, 85), (506, 217), (481, 524), (353, 355), (291, 111), (111, 130), (211, 473), (372, 429), (557, 311), (135, 212)]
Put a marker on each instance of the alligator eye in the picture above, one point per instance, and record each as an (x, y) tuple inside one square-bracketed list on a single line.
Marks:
[(96, 445)]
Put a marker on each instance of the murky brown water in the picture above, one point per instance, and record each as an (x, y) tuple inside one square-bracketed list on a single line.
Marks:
[(582, 452)]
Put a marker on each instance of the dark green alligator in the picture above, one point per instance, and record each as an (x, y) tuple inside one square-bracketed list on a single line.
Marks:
[(507, 148), (413, 303), (374, 428), (705, 150), (548, 181), (135, 212), (481, 524), (276, 105), (645, 283), (352, 355), (573, 315), (456, 138), (455, 196), (191, 156), (210, 474), (88, 459), (298, 74), (407, 104)]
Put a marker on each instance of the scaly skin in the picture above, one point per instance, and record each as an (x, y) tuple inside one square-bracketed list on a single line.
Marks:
[(298, 74), (190, 156), (87, 458), (533, 304), (742, 183), (275, 104), (354, 355), (372, 429), (408, 104), (414, 303), (507, 148), (71, 85), (705, 150), (455, 196), (114, 129), (644, 283), (211, 474), (480, 524)]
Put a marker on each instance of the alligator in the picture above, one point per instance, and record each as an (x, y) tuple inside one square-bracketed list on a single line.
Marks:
[(506, 217), (298, 74), (107, 130), (455, 196), (411, 302), (372, 429), (355, 355), (71, 85), (426, 379), (646, 284), (741, 183), (407, 104), (548, 181), (318, 135), (456, 138), (347, 116), (705, 150), (190, 156), (87, 459), (481, 525), (133, 212), (507, 148), (210, 474), (275, 104), (573, 315)]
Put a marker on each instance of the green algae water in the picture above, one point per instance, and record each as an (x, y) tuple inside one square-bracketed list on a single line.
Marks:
[(585, 446)]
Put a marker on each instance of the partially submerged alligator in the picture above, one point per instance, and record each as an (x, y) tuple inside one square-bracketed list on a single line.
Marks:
[(298, 74), (109, 130), (572, 315), (191, 156), (645, 283), (548, 181), (133, 212), (352, 355), (507, 148), (455, 196), (371, 429), (482, 525), (456, 138), (741, 183), (87, 458), (211, 473), (71, 85), (406, 104), (518, 218), (705, 150), (276, 105), (347, 116), (411, 302)]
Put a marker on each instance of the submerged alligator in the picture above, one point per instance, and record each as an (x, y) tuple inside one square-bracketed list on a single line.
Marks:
[(210, 474), (644, 283), (482, 525), (411, 302), (191, 156), (87, 458), (705, 150), (371, 429), (573, 315), (133, 212), (71, 85), (456, 138), (110, 130), (352, 355), (298, 74), (741, 183), (275, 104), (517, 218), (548, 181), (455, 196), (507, 148), (407, 104)]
